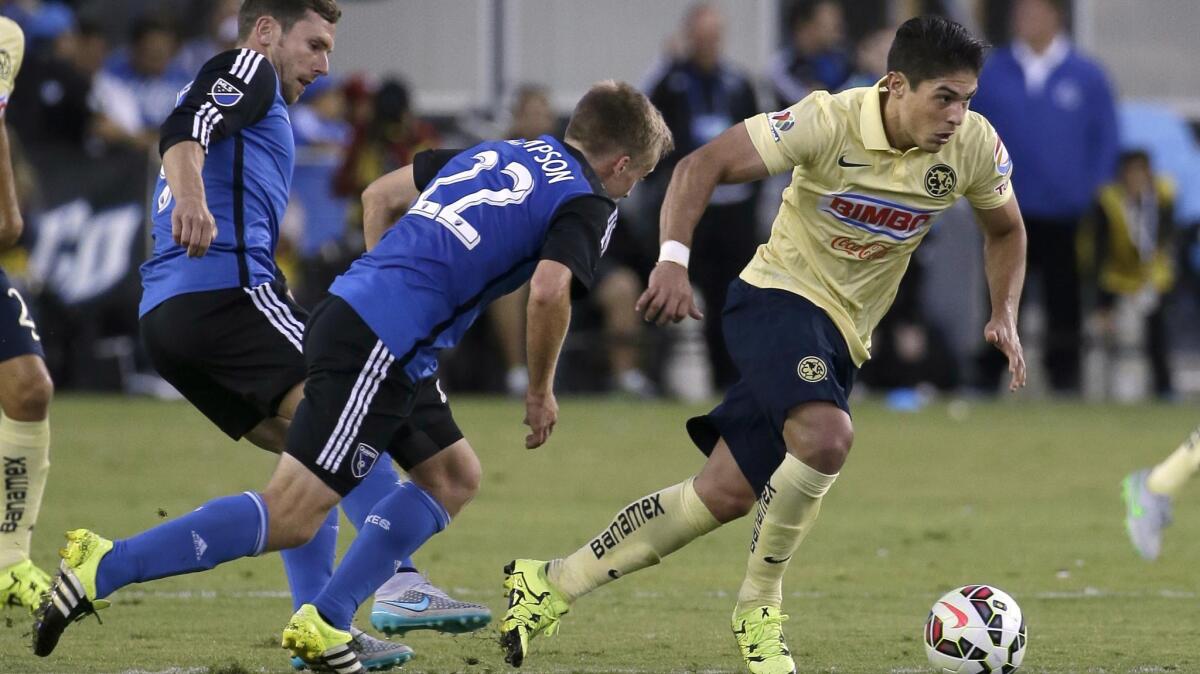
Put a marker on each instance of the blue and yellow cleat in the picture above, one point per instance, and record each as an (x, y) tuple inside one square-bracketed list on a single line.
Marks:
[(409, 602), (72, 595), (376, 655), (320, 645)]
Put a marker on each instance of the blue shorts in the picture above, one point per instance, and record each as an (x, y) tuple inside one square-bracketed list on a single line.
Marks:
[(18, 333), (788, 352)]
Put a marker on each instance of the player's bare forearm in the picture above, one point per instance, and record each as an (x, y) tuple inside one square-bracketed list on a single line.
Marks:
[(384, 201), (11, 223), (728, 158), (548, 315), (1004, 256), (183, 165)]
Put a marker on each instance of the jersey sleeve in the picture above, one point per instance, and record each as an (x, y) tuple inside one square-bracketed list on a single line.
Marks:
[(578, 236), (991, 170), (428, 163), (794, 136), (12, 53), (235, 89)]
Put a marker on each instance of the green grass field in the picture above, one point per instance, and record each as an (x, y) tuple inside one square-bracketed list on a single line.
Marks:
[(1023, 496)]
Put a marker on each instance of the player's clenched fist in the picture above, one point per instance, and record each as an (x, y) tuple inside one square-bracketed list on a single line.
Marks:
[(193, 227), (541, 413), (12, 53)]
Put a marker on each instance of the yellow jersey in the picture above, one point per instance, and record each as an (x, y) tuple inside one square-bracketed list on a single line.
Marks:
[(857, 208), (12, 52)]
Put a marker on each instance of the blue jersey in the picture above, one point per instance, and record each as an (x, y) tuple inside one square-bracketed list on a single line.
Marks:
[(477, 232), (234, 109)]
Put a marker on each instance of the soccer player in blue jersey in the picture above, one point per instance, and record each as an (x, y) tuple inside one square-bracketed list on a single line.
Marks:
[(482, 222), (25, 385), (216, 318)]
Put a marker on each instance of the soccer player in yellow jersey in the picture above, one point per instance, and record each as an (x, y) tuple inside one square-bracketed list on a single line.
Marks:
[(25, 386), (871, 169)]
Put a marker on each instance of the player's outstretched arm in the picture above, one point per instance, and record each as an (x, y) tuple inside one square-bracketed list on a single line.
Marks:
[(192, 225), (1004, 260), (384, 201), (11, 223), (729, 158), (548, 315)]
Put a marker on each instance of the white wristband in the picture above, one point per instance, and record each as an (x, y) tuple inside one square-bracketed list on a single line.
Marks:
[(673, 251)]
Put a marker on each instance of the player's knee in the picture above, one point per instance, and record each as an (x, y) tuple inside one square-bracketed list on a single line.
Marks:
[(30, 399), (726, 502), (821, 438)]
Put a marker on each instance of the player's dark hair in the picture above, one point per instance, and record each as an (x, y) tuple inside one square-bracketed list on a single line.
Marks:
[(286, 12), (616, 117), (932, 46)]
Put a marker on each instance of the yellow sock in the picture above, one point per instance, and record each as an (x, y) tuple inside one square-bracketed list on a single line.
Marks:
[(24, 462), (640, 535), (1170, 475), (787, 511)]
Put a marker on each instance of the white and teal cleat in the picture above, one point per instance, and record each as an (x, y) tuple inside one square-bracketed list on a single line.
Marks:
[(409, 602), (1146, 514)]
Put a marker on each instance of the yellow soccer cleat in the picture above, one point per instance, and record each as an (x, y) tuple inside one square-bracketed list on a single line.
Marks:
[(23, 584), (319, 644), (759, 633), (534, 606), (72, 595)]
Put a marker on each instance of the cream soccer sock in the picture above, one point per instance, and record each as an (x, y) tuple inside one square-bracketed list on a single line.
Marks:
[(787, 510), (640, 535), (1169, 476), (25, 459)]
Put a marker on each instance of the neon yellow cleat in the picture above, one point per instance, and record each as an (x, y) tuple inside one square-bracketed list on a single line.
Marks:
[(319, 644), (534, 606), (759, 633), (72, 595), (23, 584)]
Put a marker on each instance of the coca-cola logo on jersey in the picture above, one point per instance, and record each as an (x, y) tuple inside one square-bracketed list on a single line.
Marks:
[(861, 250)]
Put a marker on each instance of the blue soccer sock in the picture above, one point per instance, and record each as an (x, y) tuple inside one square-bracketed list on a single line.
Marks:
[(397, 526), (218, 531), (378, 484), (310, 566)]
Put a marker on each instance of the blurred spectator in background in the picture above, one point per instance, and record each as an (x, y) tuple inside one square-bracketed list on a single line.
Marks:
[(1053, 107), (315, 222), (1133, 231), (816, 56), (386, 137), (220, 36), (53, 96), (146, 69), (615, 289), (870, 58), (700, 95)]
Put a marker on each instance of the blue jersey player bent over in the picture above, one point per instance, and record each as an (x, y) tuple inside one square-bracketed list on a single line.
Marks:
[(481, 223), (216, 317)]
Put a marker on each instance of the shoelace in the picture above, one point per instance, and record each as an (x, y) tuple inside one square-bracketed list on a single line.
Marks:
[(767, 636)]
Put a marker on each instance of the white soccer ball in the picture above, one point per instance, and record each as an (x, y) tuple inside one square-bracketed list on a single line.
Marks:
[(973, 630)]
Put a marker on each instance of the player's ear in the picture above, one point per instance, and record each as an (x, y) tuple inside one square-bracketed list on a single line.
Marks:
[(267, 30), (622, 164), (897, 84)]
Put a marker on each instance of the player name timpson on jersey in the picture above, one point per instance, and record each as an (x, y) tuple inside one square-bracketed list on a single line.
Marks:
[(557, 170), (877, 216)]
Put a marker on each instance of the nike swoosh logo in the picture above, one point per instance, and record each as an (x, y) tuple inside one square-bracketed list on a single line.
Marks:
[(772, 560), (410, 605), (847, 164), (959, 615)]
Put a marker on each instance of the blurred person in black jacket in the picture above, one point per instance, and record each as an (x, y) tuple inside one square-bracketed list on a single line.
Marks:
[(700, 95)]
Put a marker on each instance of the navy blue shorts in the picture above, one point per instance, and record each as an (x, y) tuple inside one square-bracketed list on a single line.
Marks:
[(788, 352), (18, 333)]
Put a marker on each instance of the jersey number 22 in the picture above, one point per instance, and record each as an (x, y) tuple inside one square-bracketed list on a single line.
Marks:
[(450, 215)]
